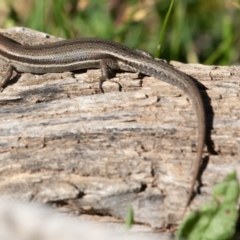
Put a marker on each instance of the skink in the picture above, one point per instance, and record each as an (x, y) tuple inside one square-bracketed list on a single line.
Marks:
[(84, 53)]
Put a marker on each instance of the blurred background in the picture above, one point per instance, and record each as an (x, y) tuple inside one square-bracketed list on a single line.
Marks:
[(197, 31)]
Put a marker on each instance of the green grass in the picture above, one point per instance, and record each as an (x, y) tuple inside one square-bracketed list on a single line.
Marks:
[(192, 31), (163, 29)]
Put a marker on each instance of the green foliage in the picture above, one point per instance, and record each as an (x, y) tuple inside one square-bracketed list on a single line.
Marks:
[(163, 29), (217, 219), (130, 218), (190, 31)]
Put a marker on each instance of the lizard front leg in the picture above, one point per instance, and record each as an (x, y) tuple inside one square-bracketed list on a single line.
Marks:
[(7, 77)]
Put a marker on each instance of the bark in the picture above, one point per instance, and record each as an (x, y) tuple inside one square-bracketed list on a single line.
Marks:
[(65, 144)]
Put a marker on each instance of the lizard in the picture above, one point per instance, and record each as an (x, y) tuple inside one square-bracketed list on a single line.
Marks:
[(84, 53)]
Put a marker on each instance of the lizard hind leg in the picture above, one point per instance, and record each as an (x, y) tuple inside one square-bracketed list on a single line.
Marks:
[(107, 67)]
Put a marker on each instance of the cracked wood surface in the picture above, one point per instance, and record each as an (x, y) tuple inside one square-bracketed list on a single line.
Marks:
[(64, 143)]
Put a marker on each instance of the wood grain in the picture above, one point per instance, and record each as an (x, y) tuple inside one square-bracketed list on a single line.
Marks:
[(64, 143)]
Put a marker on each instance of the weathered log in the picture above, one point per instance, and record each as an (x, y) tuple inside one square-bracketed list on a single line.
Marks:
[(64, 143)]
